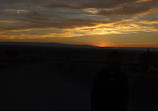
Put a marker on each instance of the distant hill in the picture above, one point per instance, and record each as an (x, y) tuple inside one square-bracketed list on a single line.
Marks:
[(71, 46), (44, 44)]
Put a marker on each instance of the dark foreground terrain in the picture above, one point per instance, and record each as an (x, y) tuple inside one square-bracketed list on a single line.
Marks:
[(35, 78)]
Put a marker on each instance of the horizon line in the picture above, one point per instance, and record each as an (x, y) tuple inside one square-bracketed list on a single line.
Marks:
[(81, 45)]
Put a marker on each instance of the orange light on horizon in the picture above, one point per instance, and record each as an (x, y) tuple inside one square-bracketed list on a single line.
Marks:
[(102, 45)]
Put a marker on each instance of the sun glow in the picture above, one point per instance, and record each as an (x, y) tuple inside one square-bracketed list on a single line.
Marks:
[(102, 45)]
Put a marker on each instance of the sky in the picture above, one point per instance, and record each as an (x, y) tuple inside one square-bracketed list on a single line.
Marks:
[(104, 23)]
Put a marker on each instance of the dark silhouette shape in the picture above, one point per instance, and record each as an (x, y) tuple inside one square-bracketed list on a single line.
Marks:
[(145, 60), (110, 91)]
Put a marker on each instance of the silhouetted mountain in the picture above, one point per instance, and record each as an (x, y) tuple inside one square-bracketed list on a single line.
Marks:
[(73, 46), (45, 44)]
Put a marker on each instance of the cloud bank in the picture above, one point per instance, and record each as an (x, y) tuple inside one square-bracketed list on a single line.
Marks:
[(75, 18)]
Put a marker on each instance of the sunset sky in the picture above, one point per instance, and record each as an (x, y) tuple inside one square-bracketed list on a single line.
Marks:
[(106, 23)]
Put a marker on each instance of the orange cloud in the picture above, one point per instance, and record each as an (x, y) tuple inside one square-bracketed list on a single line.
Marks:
[(15, 10), (149, 21)]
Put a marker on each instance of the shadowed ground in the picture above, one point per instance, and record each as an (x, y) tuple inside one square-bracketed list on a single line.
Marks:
[(41, 87), (44, 87)]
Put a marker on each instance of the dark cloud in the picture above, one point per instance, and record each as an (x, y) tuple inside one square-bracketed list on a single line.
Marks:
[(67, 23), (22, 1), (74, 4), (59, 4), (150, 19), (117, 7), (126, 10), (37, 16), (42, 20), (107, 3), (131, 9), (88, 4)]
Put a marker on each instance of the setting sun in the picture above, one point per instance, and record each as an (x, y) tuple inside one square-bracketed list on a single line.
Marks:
[(102, 45)]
